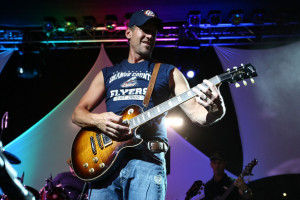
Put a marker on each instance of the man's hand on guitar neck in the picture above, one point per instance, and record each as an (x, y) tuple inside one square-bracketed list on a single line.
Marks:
[(243, 188), (111, 125), (208, 95), (239, 182)]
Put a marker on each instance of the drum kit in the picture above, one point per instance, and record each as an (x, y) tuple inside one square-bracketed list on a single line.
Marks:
[(50, 191)]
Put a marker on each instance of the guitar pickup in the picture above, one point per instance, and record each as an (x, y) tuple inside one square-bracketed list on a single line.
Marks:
[(93, 146), (98, 136)]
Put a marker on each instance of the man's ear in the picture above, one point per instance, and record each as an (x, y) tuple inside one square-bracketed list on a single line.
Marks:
[(128, 33)]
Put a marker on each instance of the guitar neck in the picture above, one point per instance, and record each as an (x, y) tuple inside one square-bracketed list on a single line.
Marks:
[(231, 187), (167, 105), (228, 191)]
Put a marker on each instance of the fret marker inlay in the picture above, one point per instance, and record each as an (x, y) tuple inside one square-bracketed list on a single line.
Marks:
[(178, 98)]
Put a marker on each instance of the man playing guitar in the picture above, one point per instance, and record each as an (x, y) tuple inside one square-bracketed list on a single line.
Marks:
[(221, 183), (143, 175)]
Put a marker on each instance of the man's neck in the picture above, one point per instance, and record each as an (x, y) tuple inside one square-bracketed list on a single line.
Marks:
[(132, 61), (218, 177), (135, 58)]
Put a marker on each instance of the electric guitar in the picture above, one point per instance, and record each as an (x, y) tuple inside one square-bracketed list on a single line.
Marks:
[(247, 171), (94, 155)]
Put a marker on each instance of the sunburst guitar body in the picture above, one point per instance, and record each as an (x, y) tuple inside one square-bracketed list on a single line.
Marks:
[(94, 155)]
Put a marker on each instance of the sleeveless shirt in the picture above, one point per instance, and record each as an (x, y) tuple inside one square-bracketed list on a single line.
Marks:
[(126, 84)]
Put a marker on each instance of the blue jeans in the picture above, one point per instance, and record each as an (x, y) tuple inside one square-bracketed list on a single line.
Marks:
[(140, 179)]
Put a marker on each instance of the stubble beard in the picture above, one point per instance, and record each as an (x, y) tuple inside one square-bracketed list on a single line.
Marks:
[(146, 52)]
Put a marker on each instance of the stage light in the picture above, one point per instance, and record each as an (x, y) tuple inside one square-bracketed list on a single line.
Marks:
[(89, 23), (284, 194), (236, 17), (174, 121), (111, 22), (194, 18), (27, 73), (190, 73), (49, 25), (70, 24), (29, 65), (258, 16), (214, 17)]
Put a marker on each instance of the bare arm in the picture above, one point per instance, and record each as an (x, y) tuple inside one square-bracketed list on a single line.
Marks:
[(108, 122), (207, 107)]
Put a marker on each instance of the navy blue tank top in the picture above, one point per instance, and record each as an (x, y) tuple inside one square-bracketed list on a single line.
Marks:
[(126, 84)]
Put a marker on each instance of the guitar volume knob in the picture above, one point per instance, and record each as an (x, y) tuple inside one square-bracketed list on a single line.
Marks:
[(102, 165), (95, 159), (85, 165), (91, 170)]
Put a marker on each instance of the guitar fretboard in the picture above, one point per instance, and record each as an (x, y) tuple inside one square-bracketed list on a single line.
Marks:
[(166, 106)]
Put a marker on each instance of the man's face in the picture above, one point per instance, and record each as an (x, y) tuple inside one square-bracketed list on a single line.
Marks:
[(142, 39), (218, 166)]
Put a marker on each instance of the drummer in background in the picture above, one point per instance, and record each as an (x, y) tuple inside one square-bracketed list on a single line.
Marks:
[(68, 182)]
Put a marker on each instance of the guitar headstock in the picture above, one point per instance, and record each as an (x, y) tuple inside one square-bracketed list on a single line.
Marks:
[(239, 73), (195, 189), (248, 169)]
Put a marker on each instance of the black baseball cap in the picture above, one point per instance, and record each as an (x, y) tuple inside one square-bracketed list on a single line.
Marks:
[(140, 17), (217, 156)]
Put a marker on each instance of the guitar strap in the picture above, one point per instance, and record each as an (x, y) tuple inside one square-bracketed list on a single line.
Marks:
[(151, 85)]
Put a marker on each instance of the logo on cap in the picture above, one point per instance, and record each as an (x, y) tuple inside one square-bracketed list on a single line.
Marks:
[(149, 13)]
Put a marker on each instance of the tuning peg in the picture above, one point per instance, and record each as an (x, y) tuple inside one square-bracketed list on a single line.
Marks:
[(252, 80), (242, 64), (235, 67), (237, 85), (245, 83), (228, 69)]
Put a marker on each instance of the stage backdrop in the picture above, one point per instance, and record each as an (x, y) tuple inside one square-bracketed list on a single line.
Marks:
[(268, 111)]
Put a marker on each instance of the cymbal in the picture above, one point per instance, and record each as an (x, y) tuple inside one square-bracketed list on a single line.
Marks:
[(11, 158)]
